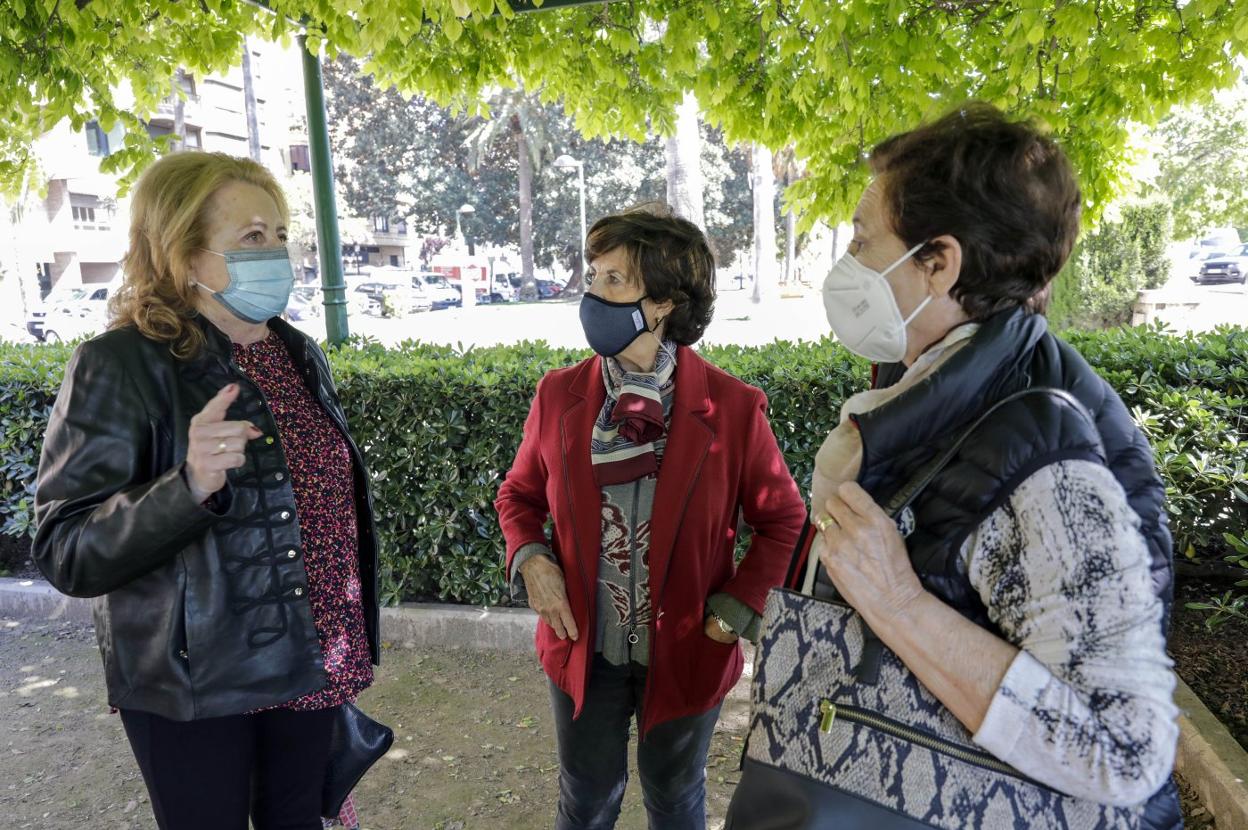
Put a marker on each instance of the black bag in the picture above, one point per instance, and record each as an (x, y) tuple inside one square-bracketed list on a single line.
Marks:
[(843, 735), (356, 743)]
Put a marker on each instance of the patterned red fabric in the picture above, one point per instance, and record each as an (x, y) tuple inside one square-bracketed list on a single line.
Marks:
[(324, 486)]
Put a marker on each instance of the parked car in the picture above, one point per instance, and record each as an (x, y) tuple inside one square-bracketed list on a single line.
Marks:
[(548, 289), (305, 303), (78, 312), (403, 293), (441, 293), (1231, 267), (61, 296)]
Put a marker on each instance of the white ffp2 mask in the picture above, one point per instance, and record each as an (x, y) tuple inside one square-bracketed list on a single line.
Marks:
[(863, 312)]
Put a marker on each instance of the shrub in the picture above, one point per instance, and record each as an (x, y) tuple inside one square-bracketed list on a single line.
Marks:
[(1101, 281), (440, 427)]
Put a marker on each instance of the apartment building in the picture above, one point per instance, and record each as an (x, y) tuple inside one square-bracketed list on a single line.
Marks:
[(75, 233)]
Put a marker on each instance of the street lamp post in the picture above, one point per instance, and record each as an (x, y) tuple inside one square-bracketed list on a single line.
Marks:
[(566, 162), (467, 286)]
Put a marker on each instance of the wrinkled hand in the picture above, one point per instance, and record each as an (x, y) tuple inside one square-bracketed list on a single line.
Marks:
[(866, 557), (215, 446), (548, 595), (718, 634)]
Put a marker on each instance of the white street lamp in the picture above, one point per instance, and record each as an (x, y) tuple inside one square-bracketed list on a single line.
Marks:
[(566, 162)]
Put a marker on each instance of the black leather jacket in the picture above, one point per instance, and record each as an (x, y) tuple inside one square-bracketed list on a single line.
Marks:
[(200, 611)]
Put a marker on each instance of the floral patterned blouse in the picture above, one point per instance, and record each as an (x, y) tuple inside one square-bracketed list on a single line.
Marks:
[(324, 486)]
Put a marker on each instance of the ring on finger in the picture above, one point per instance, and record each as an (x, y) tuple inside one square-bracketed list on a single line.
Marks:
[(824, 523), (222, 447)]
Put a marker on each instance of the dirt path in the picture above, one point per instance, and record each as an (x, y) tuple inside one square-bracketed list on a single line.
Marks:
[(468, 753), (474, 745)]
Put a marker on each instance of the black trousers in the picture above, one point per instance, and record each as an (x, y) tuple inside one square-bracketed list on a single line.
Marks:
[(212, 774), (593, 756)]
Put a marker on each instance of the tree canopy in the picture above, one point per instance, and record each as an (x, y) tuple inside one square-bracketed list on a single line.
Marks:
[(830, 77)]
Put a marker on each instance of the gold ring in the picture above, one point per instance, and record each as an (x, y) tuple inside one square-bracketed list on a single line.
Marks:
[(222, 447), (823, 523)]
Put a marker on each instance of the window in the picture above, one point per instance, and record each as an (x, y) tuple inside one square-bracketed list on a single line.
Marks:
[(394, 260), (400, 226), (381, 224), (89, 213), (299, 158), (97, 140), (100, 143), (194, 137)]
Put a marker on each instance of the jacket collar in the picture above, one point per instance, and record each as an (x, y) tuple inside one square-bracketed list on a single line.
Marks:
[(959, 390), (217, 344)]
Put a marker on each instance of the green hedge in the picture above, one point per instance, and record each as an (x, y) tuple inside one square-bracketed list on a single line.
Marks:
[(440, 427)]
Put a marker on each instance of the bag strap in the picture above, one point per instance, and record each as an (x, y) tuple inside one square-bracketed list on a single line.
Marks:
[(868, 669)]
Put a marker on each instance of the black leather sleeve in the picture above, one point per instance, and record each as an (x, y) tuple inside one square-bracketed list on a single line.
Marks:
[(103, 520)]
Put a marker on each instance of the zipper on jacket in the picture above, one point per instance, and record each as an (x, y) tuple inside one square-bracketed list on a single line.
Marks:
[(633, 639), (832, 713)]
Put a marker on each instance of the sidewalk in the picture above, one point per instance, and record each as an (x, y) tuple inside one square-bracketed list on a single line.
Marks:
[(474, 741)]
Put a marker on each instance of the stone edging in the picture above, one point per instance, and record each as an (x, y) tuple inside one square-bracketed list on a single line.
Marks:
[(412, 625), (1208, 757), (1211, 761)]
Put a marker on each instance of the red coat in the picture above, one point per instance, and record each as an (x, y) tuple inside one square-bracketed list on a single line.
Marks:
[(721, 463)]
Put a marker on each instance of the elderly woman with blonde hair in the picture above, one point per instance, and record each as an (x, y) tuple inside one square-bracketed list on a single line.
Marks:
[(199, 481)]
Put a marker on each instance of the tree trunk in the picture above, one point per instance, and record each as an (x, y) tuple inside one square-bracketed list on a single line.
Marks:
[(528, 285), (576, 282), (249, 103), (763, 182), (684, 170), (790, 245)]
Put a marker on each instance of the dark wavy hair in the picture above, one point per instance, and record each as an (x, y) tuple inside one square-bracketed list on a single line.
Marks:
[(670, 256), (1003, 189)]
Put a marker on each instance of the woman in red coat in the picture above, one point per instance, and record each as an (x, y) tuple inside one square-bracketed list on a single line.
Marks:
[(647, 458)]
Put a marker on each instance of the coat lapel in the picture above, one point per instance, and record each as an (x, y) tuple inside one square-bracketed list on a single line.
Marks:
[(688, 442), (584, 496)]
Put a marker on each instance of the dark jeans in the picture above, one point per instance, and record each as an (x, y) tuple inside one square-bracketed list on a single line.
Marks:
[(593, 756), (213, 773)]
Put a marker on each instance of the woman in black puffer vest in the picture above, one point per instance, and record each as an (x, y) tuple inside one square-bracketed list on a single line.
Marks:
[(1030, 591)]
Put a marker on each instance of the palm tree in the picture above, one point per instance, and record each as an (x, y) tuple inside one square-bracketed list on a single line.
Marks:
[(684, 173), (787, 169), (517, 116)]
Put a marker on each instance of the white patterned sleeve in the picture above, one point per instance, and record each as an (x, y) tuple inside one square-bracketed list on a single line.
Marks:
[(1087, 706)]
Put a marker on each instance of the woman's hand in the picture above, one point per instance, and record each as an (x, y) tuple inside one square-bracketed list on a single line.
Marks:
[(718, 634), (866, 557), (215, 446), (548, 595)]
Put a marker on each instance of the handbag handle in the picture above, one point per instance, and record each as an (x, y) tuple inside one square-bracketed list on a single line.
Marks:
[(868, 669)]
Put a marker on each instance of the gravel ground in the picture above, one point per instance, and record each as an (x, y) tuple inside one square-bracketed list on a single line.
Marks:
[(474, 743)]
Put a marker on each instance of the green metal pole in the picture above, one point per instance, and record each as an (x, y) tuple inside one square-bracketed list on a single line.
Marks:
[(328, 244)]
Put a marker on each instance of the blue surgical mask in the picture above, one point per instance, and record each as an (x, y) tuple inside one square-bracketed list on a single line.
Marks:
[(611, 327), (260, 283)]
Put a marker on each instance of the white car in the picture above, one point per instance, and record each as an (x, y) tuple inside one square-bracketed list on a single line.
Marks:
[(82, 312)]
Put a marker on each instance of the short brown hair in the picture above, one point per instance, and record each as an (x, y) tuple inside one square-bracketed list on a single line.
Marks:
[(1005, 191), (670, 256), (168, 222)]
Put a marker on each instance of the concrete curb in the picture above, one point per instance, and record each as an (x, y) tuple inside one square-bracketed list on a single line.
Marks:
[(412, 625), (1211, 761), (34, 599)]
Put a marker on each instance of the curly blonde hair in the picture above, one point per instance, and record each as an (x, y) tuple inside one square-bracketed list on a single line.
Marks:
[(168, 224)]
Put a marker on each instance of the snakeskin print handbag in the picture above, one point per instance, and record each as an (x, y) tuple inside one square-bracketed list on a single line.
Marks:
[(843, 736)]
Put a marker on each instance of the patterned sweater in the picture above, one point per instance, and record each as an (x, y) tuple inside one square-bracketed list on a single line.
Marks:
[(1087, 705)]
